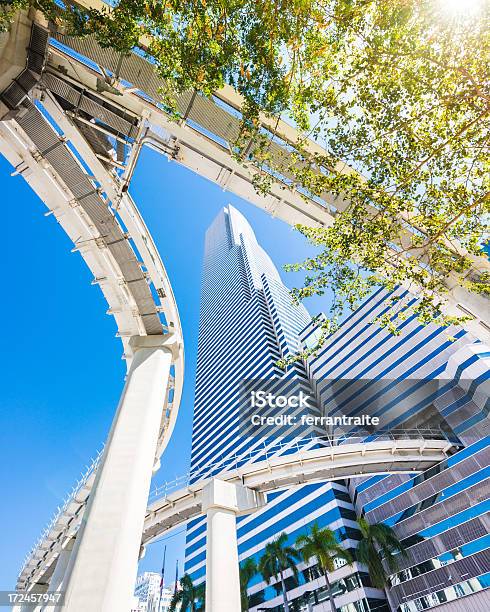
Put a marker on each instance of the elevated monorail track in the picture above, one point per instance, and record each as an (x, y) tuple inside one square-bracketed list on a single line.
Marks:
[(179, 501), (73, 120)]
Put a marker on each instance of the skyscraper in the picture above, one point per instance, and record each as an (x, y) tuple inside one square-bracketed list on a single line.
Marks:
[(247, 323), (442, 516), (149, 594)]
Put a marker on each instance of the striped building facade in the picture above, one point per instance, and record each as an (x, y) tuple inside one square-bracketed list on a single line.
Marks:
[(247, 323), (441, 516)]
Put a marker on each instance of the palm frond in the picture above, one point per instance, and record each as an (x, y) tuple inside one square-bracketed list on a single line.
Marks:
[(322, 544), (176, 600), (379, 542)]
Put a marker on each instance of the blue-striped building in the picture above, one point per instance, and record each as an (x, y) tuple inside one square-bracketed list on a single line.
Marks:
[(442, 515), (247, 323)]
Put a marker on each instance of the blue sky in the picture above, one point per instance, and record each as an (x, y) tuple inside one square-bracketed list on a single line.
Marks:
[(62, 371)]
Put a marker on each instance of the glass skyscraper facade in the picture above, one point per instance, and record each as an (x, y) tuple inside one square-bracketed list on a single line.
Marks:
[(442, 515), (247, 323)]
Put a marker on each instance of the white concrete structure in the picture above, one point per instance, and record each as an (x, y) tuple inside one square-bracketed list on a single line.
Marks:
[(222, 501), (103, 564), (175, 504), (165, 599), (87, 195), (57, 578), (109, 233), (150, 596)]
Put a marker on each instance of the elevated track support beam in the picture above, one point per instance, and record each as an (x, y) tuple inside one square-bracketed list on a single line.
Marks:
[(103, 565), (223, 502)]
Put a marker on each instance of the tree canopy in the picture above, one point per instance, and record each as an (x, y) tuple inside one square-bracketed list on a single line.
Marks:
[(396, 94)]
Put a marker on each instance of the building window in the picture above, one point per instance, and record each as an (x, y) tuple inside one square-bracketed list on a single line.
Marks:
[(473, 585)]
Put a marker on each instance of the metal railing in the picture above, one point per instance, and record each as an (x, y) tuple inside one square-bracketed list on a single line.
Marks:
[(90, 469), (267, 450)]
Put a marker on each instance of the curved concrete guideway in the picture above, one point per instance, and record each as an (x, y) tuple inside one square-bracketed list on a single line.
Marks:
[(47, 149), (88, 202), (202, 142), (315, 465), (248, 484)]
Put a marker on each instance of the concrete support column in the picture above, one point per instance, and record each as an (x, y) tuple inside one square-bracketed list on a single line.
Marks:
[(222, 502), (222, 576), (102, 569)]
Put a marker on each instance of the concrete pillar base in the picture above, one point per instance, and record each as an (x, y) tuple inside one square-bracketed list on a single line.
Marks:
[(102, 570), (223, 501)]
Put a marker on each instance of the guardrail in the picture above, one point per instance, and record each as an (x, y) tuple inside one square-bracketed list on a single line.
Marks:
[(235, 466), (90, 470), (267, 450)]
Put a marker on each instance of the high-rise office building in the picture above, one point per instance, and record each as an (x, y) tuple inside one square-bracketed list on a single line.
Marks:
[(247, 323), (149, 595), (426, 377), (441, 516)]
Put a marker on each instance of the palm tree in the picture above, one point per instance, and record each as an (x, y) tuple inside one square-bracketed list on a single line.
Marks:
[(322, 544), (378, 541), (188, 596), (278, 558), (248, 569)]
